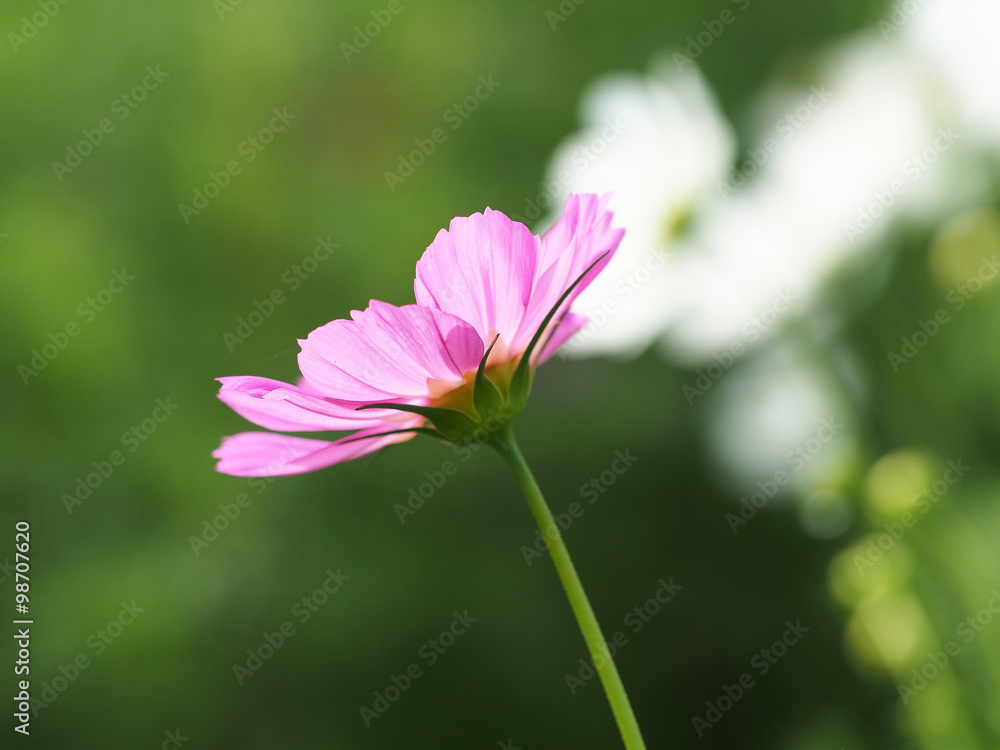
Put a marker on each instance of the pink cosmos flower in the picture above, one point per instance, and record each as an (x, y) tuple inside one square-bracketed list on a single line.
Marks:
[(487, 292)]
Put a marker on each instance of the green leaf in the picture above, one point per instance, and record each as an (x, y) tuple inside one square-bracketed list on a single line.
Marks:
[(486, 396), (520, 384), (454, 425)]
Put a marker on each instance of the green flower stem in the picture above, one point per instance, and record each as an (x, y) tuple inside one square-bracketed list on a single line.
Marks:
[(507, 447)]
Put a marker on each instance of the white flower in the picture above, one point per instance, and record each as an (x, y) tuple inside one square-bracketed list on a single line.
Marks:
[(958, 41), (890, 133), (659, 143), (832, 167), (898, 128)]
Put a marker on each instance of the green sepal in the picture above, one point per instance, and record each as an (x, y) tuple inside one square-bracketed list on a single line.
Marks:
[(485, 395), (520, 384), (418, 430), (453, 425)]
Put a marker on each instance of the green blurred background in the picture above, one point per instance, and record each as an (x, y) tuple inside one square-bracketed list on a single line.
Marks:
[(161, 337)]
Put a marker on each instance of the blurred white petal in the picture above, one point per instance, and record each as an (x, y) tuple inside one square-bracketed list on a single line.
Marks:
[(958, 41), (671, 146), (778, 414), (887, 135)]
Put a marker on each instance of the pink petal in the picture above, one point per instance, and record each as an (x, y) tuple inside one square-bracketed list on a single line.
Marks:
[(268, 454), (571, 323), (280, 406), (306, 387), (582, 234), (480, 269), (388, 352)]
